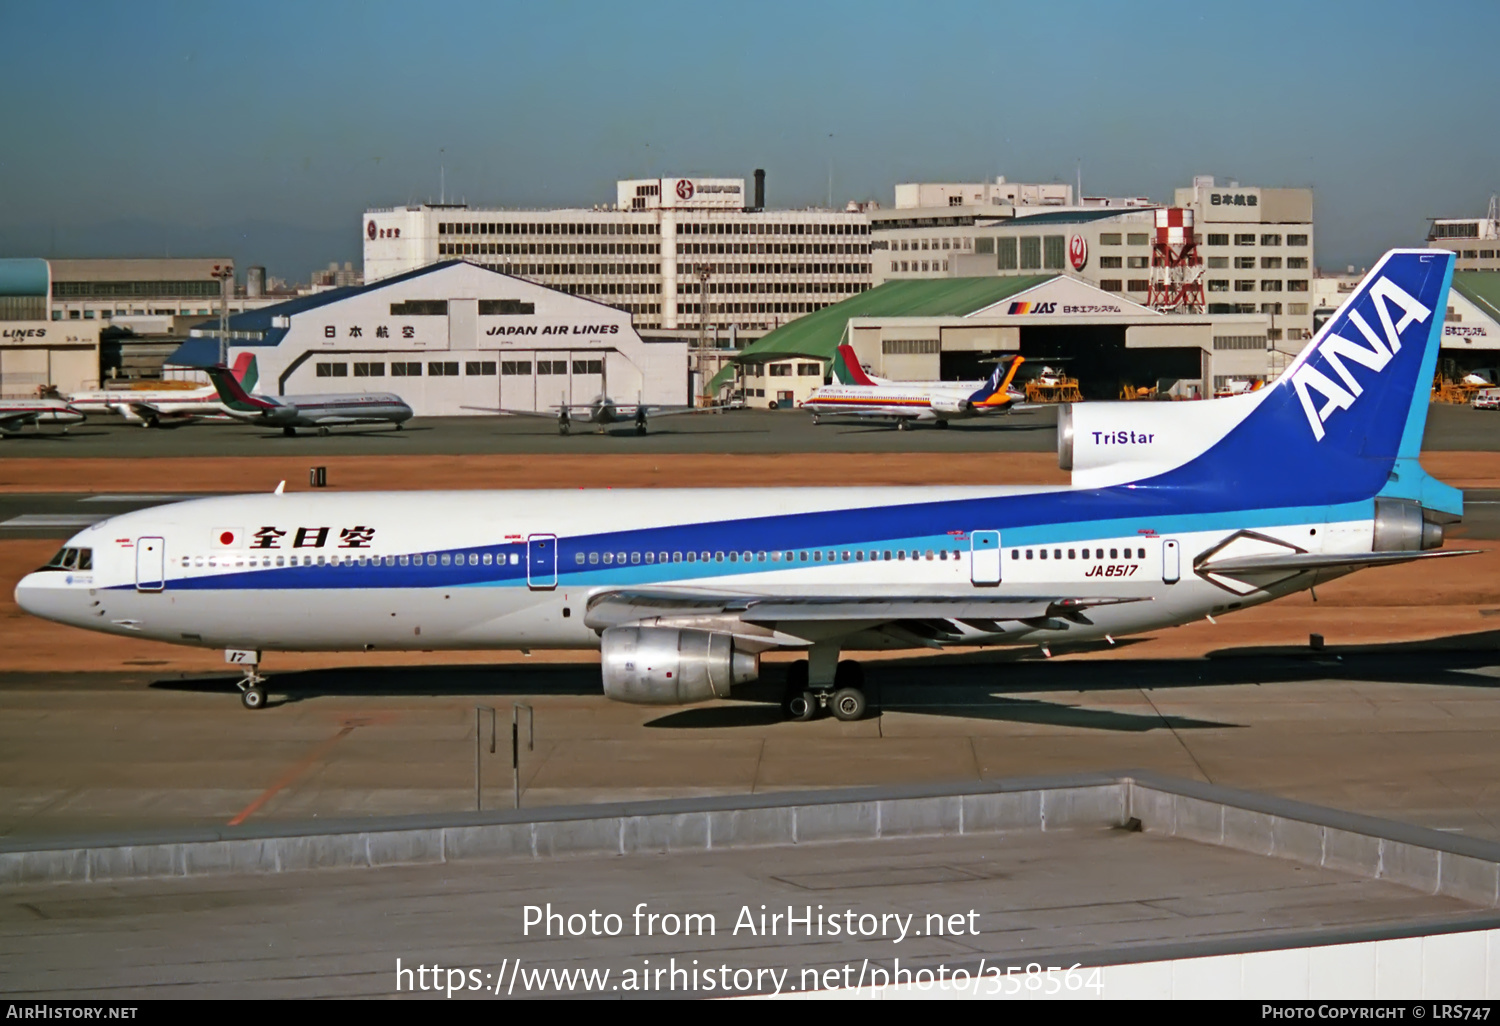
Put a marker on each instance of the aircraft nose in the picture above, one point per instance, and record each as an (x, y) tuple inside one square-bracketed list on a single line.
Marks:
[(50, 596)]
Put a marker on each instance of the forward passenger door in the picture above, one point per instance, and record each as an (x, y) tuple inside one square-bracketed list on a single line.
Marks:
[(984, 558)]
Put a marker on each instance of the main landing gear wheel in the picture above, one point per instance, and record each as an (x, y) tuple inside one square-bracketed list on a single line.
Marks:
[(290, 432), (815, 418), (640, 427), (322, 431), (848, 704), (902, 425), (562, 428), (798, 703), (942, 423)]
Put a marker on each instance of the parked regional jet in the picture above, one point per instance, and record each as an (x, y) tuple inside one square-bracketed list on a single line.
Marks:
[(1177, 511), (17, 413), (289, 412), (909, 401), (151, 407)]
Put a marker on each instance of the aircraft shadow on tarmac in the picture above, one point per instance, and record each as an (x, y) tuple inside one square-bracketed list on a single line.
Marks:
[(980, 685)]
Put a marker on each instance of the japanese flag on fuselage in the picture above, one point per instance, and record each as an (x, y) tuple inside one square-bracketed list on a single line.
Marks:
[(228, 538)]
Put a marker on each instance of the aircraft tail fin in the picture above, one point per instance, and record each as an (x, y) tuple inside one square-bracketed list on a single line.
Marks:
[(847, 370), (232, 394), (246, 371), (1344, 421), (996, 391)]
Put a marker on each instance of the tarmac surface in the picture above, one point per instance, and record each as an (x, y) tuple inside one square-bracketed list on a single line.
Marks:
[(1012, 898), (1456, 428)]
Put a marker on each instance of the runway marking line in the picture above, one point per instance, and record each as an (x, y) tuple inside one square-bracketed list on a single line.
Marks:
[(291, 775)]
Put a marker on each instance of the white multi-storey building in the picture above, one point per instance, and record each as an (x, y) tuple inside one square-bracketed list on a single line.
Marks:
[(674, 252)]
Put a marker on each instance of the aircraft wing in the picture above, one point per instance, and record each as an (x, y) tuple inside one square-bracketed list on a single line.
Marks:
[(922, 620), (17, 418), (515, 413), (146, 411), (667, 411)]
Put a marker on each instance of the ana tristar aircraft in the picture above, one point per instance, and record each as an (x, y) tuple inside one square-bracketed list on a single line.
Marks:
[(1177, 511)]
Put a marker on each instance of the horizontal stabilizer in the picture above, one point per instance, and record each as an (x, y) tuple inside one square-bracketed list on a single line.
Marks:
[(1299, 561)]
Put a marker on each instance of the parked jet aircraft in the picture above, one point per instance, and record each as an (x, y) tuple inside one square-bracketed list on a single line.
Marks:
[(1177, 511), (909, 401), (289, 412), (155, 406), (18, 413)]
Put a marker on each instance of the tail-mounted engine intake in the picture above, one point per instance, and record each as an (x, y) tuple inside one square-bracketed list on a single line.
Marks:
[(666, 666), (1401, 525)]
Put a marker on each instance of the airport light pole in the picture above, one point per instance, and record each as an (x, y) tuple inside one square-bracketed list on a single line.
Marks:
[(225, 274), (704, 275)]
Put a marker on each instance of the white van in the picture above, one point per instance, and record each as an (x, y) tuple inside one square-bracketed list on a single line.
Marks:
[(1486, 399)]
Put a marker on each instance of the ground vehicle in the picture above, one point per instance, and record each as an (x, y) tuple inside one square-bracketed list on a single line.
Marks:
[(1486, 399)]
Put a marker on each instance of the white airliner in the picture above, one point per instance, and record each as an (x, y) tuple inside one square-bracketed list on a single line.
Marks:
[(152, 407), (906, 402), (18, 413), (289, 412), (1177, 511)]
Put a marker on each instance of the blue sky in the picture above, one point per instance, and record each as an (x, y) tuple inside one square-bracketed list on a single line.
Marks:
[(264, 129)]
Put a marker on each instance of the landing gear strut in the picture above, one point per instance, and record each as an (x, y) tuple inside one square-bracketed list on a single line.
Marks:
[(252, 694), (640, 423), (845, 698)]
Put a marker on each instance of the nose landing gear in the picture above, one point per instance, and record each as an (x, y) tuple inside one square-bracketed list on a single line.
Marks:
[(252, 691)]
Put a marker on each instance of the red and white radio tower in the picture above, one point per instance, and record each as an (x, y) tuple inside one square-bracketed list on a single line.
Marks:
[(1176, 267)]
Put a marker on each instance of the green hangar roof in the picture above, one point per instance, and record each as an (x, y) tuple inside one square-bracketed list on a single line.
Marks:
[(1482, 288), (818, 334)]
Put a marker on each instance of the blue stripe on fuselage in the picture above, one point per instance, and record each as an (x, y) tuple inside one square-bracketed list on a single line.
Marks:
[(1047, 517)]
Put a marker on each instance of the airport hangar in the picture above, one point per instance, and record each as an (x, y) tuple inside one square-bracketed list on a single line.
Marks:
[(446, 336), (954, 328)]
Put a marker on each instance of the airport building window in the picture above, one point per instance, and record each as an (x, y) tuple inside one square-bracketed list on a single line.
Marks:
[(1270, 263), (1239, 342), (1271, 308), (1297, 285), (1218, 263), (1244, 285), (1296, 263), (781, 370), (504, 307), (1270, 240), (406, 370), (1031, 253), (1137, 285), (587, 367), (420, 308), (1296, 240), (481, 368), (1297, 309), (1111, 262), (1054, 252), (1109, 239), (369, 370), (1268, 285), (809, 370), (1244, 263), (1137, 262), (1218, 240), (333, 370), (1006, 258), (1112, 285), (509, 367), (1137, 239), (910, 346), (1218, 285), (552, 366), (1244, 240), (437, 369)]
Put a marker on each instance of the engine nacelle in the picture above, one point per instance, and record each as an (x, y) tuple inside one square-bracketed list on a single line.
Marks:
[(942, 404), (1401, 526), (1106, 443), (667, 666)]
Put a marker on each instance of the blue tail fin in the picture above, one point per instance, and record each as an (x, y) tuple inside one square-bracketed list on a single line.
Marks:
[(1345, 421), (993, 385)]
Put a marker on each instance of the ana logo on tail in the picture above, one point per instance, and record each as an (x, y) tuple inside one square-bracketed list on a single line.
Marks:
[(1335, 349)]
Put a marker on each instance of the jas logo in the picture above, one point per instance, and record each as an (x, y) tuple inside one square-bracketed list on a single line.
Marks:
[(1385, 296)]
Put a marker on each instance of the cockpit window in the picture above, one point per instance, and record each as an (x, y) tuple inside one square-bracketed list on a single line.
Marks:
[(71, 559)]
